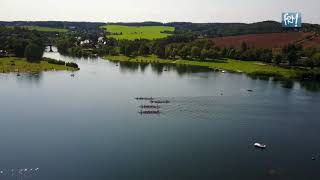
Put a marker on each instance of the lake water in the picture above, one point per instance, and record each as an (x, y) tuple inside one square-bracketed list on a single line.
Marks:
[(88, 126)]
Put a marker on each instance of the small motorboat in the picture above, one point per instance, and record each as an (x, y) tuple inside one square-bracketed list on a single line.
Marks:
[(260, 146), (223, 71)]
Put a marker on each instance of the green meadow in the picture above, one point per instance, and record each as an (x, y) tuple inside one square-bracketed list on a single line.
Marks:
[(138, 32), (231, 65), (44, 29), (14, 64)]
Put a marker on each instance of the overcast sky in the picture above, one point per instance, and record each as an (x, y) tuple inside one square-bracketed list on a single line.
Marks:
[(157, 10)]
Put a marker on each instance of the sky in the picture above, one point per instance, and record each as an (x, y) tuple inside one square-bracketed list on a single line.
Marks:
[(246, 11)]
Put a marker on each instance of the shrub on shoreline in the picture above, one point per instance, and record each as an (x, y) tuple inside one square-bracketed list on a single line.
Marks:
[(72, 64), (59, 62)]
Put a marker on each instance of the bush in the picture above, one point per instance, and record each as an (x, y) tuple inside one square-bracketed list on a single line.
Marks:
[(53, 61), (59, 62), (316, 59), (278, 59), (309, 75), (72, 64)]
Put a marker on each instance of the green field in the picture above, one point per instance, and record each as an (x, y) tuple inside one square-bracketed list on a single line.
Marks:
[(138, 32), (231, 65), (13, 64), (44, 29)]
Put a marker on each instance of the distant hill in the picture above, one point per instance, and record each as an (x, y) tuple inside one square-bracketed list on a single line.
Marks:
[(232, 29), (227, 29), (55, 24), (205, 30)]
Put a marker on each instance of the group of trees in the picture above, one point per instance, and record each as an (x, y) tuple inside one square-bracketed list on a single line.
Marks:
[(186, 48), (187, 45), (22, 43)]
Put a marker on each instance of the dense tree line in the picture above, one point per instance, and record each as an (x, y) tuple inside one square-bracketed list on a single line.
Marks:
[(56, 24), (232, 29), (22, 43), (185, 46)]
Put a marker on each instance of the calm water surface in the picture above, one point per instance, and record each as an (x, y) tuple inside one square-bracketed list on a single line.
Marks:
[(87, 126)]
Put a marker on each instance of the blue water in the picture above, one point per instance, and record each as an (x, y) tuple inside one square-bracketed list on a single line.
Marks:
[(88, 126)]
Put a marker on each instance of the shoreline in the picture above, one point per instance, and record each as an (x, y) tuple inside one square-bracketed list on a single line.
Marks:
[(229, 65), (21, 65)]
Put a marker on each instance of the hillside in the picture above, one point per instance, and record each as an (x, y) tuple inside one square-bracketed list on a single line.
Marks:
[(231, 29), (200, 29), (54, 24), (311, 42), (267, 40)]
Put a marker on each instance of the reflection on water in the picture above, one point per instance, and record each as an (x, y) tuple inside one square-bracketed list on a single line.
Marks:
[(161, 68), (186, 69), (181, 70), (311, 86), (30, 78)]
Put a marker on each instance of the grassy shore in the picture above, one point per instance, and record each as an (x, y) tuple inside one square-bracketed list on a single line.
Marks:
[(13, 64), (254, 68), (138, 32)]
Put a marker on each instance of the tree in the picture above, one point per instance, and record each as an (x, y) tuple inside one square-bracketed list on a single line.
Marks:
[(160, 51), (63, 45), (224, 52), (209, 53), (267, 55), (316, 59), (168, 51), (19, 46), (204, 54), (114, 51), (184, 52), (309, 63), (144, 50), (195, 52), (292, 57), (33, 52), (278, 59), (292, 52)]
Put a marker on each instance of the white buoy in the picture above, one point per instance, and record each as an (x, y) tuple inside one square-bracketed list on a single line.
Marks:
[(259, 145)]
